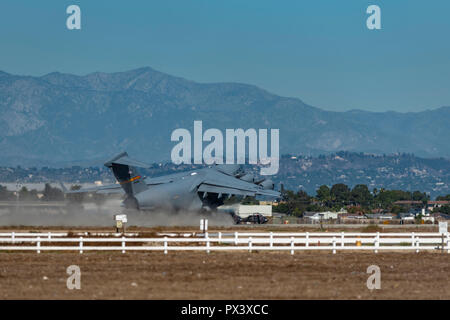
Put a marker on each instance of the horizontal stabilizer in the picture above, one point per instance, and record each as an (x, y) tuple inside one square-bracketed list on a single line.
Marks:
[(125, 160), (104, 189)]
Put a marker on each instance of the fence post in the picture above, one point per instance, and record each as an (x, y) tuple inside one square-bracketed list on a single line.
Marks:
[(417, 244), (13, 236), (292, 245), (342, 239), (307, 239), (250, 244), (81, 245), (220, 237), (123, 244), (207, 243), (412, 239), (334, 245), (49, 235), (235, 238), (377, 242), (448, 242), (271, 239), (165, 245), (38, 245)]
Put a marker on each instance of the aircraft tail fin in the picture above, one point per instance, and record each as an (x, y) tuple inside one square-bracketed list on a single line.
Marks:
[(126, 173)]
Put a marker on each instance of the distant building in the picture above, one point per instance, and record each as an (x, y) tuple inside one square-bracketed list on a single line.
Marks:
[(408, 202), (432, 205), (380, 216), (318, 216)]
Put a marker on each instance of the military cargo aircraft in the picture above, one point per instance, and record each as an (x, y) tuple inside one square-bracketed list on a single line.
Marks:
[(195, 190)]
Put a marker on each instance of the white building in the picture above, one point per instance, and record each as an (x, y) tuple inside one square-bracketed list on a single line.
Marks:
[(327, 215)]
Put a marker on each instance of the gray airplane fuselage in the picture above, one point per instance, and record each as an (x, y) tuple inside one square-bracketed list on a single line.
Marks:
[(171, 196)]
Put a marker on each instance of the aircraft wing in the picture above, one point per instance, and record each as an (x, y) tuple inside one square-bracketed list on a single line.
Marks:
[(167, 178), (223, 184), (106, 189)]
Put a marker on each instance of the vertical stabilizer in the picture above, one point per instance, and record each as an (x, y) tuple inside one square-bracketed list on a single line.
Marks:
[(126, 173)]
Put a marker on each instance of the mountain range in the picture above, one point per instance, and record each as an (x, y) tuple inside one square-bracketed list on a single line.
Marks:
[(64, 119)]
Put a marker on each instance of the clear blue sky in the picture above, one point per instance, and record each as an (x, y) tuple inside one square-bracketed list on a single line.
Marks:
[(319, 51)]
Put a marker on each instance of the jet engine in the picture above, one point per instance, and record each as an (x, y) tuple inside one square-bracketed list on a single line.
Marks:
[(267, 184), (248, 177)]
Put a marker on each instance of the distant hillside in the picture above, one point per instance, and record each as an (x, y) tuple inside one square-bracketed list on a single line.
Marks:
[(60, 118), (403, 172)]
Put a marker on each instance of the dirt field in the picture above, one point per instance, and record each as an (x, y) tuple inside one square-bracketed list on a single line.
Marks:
[(146, 231), (223, 275)]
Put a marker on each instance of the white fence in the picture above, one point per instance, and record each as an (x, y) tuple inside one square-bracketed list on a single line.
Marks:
[(250, 241)]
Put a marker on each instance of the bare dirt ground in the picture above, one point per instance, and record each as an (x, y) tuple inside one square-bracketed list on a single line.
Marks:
[(240, 228), (225, 275)]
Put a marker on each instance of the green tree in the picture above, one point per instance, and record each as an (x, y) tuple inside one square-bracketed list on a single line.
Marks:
[(443, 198), (397, 209), (444, 209), (361, 195), (281, 208), (340, 194), (386, 198), (419, 196), (323, 194), (296, 203)]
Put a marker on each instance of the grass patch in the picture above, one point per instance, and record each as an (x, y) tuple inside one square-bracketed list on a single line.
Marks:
[(372, 228)]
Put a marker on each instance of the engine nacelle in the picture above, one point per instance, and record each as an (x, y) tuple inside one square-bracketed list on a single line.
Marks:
[(267, 184), (247, 177), (259, 180)]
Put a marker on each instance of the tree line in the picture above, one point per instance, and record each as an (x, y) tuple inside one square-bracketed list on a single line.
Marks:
[(49, 194), (359, 199), (24, 194)]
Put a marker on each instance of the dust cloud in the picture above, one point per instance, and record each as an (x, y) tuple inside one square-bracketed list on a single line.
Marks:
[(93, 215)]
